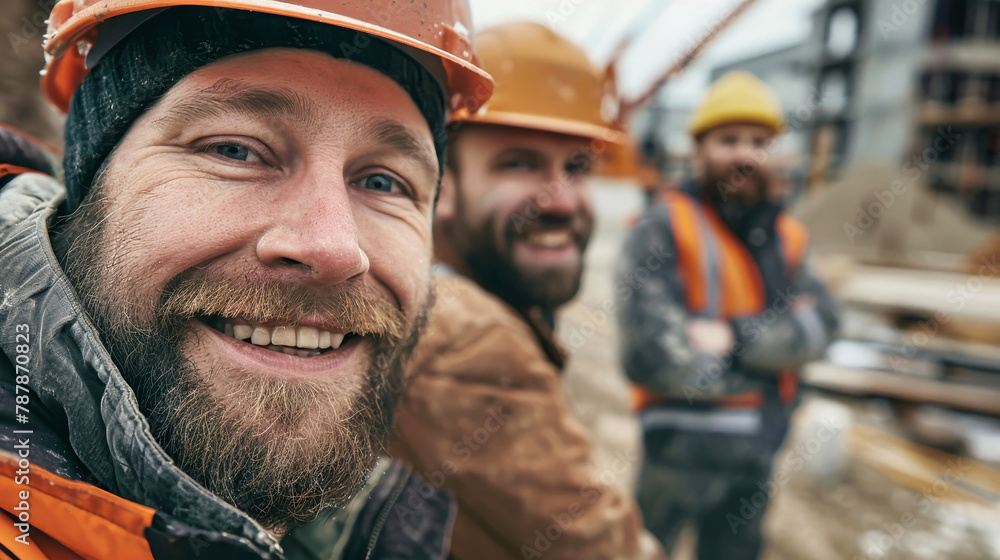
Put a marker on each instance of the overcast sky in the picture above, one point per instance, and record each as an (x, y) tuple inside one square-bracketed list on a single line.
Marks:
[(598, 25)]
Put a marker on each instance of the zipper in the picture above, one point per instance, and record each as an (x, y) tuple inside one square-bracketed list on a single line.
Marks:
[(397, 489)]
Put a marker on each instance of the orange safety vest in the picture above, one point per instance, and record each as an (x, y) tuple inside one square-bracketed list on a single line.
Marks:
[(11, 169), (722, 280), (67, 519)]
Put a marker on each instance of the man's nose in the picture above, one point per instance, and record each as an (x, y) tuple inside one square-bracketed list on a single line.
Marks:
[(314, 234), (560, 196), (748, 154)]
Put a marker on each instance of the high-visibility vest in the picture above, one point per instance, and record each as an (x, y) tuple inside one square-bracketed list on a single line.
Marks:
[(68, 519), (721, 279)]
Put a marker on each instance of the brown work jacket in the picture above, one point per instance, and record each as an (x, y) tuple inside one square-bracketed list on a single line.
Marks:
[(484, 415)]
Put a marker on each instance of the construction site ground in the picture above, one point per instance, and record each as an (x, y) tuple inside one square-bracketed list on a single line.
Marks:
[(852, 487)]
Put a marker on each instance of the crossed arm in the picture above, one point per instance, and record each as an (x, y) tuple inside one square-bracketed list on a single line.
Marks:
[(667, 349)]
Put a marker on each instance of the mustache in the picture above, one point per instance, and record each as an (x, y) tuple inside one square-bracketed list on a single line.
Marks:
[(576, 222), (352, 306), (545, 220)]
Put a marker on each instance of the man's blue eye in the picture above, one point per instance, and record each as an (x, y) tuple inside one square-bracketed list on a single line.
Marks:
[(233, 151), (378, 182)]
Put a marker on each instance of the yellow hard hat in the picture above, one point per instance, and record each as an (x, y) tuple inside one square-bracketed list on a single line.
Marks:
[(737, 97), (543, 82)]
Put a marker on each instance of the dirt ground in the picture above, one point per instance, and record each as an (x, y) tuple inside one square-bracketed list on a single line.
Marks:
[(834, 501), (853, 499)]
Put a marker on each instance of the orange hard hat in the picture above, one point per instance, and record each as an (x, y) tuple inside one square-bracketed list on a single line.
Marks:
[(543, 82), (435, 32)]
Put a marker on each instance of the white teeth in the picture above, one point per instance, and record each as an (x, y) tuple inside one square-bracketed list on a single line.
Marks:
[(242, 332), (550, 239), (299, 341), (283, 336), (307, 337), (335, 340), (260, 337)]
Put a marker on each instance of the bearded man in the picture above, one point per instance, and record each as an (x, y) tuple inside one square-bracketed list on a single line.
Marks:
[(203, 330), (484, 413), (712, 335)]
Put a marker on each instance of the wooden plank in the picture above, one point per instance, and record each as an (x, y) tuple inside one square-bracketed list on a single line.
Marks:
[(852, 381), (921, 468), (971, 349), (954, 296)]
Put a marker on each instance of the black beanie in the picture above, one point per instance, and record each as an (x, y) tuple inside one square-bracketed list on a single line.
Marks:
[(136, 72)]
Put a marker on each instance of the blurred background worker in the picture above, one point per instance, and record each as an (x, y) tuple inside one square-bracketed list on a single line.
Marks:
[(714, 330), (485, 414)]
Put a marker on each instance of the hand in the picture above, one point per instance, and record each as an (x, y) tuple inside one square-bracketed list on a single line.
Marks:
[(710, 336), (803, 304)]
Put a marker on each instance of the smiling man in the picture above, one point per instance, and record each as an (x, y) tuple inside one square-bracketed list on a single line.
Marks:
[(211, 345), (484, 413), (715, 335)]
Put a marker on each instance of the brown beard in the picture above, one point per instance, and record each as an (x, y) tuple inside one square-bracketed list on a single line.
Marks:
[(491, 263), (281, 450), (748, 186)]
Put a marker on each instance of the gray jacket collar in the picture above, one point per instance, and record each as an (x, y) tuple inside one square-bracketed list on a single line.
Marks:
[(72, 373)]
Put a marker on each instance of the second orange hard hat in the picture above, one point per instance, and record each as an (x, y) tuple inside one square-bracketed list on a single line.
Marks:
[(543, 82)]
